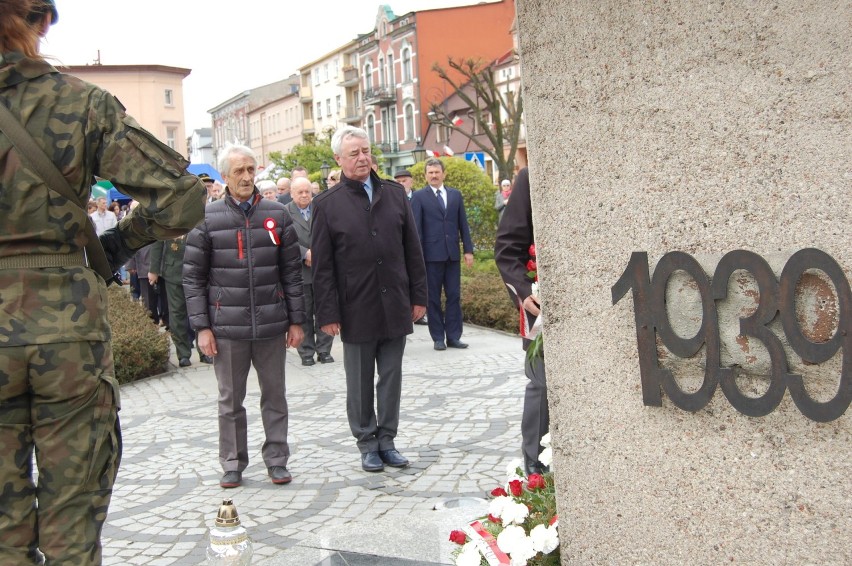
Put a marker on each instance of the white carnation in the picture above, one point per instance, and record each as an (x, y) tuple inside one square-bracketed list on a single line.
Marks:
[(469, 555), (511, 538), (545, 440), (497, 505), (546, 456), (514, 513), (544, 539)]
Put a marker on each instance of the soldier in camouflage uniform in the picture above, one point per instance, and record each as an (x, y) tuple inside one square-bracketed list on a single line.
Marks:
[(58, 392)]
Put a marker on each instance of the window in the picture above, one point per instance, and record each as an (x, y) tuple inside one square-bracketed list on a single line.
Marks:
[(391, 77), (171, 134), (316, 76), (356, 99), (319, 110), (385, 124), (368, 77), (371, 128), (328, 107), (409, 121), (381, 72), (325, 72), (339, 104), (169, 97), (336, 69), (406, 65)]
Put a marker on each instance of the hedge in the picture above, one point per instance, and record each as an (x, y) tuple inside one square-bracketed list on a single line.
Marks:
[(138, 347)]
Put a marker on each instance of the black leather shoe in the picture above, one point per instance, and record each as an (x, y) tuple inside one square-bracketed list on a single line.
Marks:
[(325, 358), (206, 359), (231, 479), (372, 462), (393, 458), (456, 344), (184, 362), (439, 345), (280, 475), (422, 321), (308, 361)]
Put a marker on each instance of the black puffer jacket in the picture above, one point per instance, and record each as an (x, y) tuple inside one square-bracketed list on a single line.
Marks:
[(237, 281)]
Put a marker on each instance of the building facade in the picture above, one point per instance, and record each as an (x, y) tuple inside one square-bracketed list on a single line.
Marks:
[(200, 146), (329, 91), (152, 94), (396, 59), (277, 124)]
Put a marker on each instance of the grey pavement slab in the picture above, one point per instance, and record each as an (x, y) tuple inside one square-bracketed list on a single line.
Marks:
[(459, 426)]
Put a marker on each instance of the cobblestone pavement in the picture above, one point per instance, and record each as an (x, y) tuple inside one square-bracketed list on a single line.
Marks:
[(459, 426)]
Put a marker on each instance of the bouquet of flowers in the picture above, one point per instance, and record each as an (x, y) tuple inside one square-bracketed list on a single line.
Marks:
[(533, 332), (521, 526)]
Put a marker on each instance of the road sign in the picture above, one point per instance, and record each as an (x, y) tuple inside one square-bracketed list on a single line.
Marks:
[(477, 157)]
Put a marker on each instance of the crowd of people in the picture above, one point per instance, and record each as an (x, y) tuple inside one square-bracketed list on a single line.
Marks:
[(239, 270)]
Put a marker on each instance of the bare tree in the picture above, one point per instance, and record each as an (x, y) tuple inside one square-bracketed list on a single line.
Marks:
[(496, 115)]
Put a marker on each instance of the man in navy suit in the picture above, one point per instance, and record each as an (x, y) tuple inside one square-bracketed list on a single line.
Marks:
[(441, 222)]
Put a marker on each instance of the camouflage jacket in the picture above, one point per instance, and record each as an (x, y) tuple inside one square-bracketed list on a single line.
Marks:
[(86, 132)]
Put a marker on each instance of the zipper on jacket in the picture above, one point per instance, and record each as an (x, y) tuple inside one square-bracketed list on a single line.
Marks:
[(240, 244), (251, 276)]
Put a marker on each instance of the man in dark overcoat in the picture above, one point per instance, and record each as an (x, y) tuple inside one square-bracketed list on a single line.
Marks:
[(369, 287)]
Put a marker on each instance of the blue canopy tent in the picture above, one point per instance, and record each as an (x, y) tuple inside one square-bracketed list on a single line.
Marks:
[(114, 194), (199, 168)]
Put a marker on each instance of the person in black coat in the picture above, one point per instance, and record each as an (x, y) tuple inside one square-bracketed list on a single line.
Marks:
[(369, 287), (511, 252)]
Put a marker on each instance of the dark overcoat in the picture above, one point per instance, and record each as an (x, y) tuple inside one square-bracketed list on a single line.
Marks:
[(367, 262)]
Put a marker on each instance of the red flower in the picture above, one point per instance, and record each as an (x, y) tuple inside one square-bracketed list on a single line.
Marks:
[(531, 265), (532, 250), (499, 492), (458, 537), (516, 487), (535, 481), (495, 520)]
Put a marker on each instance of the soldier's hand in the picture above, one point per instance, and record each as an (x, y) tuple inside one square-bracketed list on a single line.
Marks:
[(207, 342), (308, 258), (152, 278), (295, 335)]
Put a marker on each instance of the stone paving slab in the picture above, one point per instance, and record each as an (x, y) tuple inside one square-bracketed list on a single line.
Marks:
[(459, 426)]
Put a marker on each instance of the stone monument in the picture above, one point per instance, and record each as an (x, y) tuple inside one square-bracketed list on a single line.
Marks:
[(685, 131)]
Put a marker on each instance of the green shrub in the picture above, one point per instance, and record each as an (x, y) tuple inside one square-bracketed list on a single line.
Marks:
[(138, 347), (485, 300)]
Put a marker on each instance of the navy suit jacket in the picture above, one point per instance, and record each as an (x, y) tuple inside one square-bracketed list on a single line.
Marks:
[(439, 232)]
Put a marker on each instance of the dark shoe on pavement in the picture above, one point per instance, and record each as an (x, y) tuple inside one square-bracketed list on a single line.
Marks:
[(308, 360), (184, 362), (422, 321), (231, 479), (393, 458), (439, 345), (456, 344), (206, 359), (372, 462), (280, 475), (325, 358)]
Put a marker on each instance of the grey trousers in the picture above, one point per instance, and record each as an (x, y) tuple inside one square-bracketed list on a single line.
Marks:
[(231, 366), (535, 421), (316, 341), (373, 429)]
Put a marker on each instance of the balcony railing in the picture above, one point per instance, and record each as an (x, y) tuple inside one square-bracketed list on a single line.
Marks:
[(382, 95), (392, 147), (350, 77), (351, 114)]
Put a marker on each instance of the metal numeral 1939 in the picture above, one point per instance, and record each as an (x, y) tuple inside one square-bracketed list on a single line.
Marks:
[(776, 297)]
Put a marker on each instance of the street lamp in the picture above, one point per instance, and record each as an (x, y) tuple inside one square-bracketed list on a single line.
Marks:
[(418, 153), (324, 169)]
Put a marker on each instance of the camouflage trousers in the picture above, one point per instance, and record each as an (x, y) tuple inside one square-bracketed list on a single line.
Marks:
[(60, 401)]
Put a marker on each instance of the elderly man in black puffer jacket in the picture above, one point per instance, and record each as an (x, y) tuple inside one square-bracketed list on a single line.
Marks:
[(243, 282)]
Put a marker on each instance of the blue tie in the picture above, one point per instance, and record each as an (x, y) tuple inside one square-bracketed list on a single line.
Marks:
[(245, 206), (441, 202)]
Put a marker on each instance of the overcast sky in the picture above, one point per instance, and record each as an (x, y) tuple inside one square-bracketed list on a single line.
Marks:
[(230, 47)]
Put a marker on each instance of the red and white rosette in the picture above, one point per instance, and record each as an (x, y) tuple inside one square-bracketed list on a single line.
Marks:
[(270, 225)]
